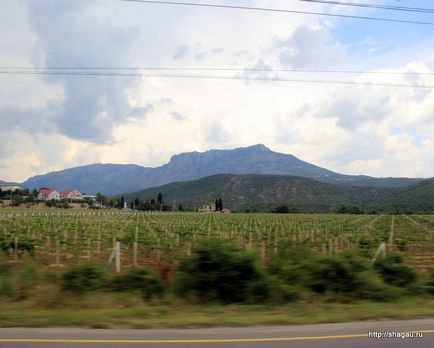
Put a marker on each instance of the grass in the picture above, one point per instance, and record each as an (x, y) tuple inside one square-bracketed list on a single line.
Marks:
[(127, 311)]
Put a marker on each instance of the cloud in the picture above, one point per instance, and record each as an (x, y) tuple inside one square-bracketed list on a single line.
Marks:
[(260, 70), (91, 106), (29, 120), (140, 111), (217, 50), (355, 107), (177, 116), (181, 52), (217, 134), (309, 47)]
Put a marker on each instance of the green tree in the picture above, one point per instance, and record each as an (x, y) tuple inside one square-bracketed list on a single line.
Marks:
[(281, 209), (121, 202), (136, 202), (160, 200), (102, 199)]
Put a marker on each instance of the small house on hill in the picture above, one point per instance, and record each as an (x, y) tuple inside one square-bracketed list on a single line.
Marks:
[(48, 195), (71, 194), (207, 208)]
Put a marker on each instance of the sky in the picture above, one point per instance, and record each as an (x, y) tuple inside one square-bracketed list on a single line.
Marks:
[(53, 122)]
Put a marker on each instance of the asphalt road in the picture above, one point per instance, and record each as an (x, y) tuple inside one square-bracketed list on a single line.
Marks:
[(347, 335)]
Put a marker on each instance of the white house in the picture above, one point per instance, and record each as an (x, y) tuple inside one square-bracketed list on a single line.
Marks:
[(71, 194), (207, 208), (9, 187), (48, 195)]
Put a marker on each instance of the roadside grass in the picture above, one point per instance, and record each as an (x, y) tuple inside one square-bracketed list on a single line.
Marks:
[(114, 310)]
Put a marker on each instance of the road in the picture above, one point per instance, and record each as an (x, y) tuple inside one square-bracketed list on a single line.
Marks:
[(347, 335)]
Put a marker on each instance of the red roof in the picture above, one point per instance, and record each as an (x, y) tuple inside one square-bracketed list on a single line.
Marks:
[(64, 193), (46, 191)]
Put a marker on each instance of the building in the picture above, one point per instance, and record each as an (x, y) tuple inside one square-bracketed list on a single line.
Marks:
[(207, 208), (71, 194), (89, 197), (48, 195), (9, 186)]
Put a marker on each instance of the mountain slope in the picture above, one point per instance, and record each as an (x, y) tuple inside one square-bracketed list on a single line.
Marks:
[(258, 159), (263, 192), (107, 178), (415, 198)]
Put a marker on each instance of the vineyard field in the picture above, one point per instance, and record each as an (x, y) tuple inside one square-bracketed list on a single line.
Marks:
[(63, 238)]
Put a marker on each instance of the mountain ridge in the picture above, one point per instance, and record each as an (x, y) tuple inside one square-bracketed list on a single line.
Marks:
[(114, 179)]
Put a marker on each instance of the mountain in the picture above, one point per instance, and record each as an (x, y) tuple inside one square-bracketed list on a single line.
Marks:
[(113, 179), (266, 192), (106, 178)]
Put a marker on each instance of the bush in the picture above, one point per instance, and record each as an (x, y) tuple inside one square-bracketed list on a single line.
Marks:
[(6, 270), (337, 275), (345, 276), (393, 270), (143, 280), (430, 284), (16, 281), (83, 277), (24, 281), (223, 273)]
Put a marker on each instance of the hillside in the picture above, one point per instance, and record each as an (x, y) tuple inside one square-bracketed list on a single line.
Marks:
[(107, 178), (415, 198), (263, 192), (113, 179)]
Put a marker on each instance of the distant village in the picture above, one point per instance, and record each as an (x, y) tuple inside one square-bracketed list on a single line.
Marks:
[(74, 198), (18, 195)]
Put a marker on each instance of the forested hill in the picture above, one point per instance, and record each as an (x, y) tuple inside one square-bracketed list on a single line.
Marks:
[(415, 198), (266, 192)]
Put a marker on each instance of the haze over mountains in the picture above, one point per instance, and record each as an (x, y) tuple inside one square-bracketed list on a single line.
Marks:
[(112, 179)]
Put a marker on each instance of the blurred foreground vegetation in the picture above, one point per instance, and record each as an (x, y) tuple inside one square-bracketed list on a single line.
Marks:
[(232, 285)]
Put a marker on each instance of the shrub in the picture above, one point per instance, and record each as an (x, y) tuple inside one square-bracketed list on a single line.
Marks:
[(24, 281), (338, 274), (393, 270), (143, 280), (430, 285), (345, 276), (83, 277), (6, 270), (16, 281), (223, 273)]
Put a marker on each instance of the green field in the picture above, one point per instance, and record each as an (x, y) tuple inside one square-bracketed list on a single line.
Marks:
[(63, 238), (273, 268)]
